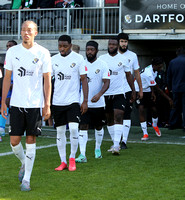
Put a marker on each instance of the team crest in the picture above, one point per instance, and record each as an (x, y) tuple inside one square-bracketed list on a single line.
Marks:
[(73, 65), (119, 64), (36, 60), (97, 71)]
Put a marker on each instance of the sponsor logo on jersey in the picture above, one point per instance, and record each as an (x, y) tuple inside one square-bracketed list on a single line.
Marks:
[(17, 58), (113, 72), (62, 76), (108, 73), (152, 82), (36, 60), (86, 69), (119, 64), (56, 65), (23, 72), (97, 71), (73, 65)]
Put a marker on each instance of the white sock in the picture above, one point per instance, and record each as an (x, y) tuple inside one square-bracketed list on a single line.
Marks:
[(118, 128), (111, 131), (73, 128), (99, 137), (29, 160), (61, 142), (144, 128), (19, 152), (83, 138), (126, 129), (155, 121)]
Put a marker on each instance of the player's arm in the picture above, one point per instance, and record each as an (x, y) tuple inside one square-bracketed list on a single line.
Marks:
[(6, 87), (105, 87), (46, 112), (131, 84), (138, 79), (84, 105), (164, 95)]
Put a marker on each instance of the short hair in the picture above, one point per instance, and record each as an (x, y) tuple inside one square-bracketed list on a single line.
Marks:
[(180, 50), (12, 41), (157, 60), (92, 43), (123, 36), (29, 21), (65, 38), (114, 38)]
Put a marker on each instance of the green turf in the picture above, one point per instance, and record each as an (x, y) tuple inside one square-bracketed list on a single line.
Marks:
[(152, 170)]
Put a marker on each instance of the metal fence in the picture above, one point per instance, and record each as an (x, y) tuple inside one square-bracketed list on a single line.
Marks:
[(54, 22)]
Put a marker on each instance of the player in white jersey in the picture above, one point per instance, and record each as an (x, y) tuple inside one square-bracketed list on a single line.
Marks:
[(29, 63), (114, 96), (148, 76), (68, 68), (134, 65), (98, 82)]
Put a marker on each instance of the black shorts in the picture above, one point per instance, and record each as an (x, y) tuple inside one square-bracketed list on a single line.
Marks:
[(115, 102), (146, 101), (25, 119), (94, 117), (65, 114), (128, 107)]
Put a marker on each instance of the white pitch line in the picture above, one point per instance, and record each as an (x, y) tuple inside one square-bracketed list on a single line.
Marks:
[(140, 142)]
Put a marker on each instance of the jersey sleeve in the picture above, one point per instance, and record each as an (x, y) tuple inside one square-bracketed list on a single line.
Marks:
[(135, 63), (150, 80), (82, 67), (126, 65), (47, 62), (8, 61), (106, 73)]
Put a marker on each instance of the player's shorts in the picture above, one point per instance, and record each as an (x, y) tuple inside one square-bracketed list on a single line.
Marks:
[(146, 101), (25, 119), (94, 117), (65, 114), (115, 102), (128, 107)]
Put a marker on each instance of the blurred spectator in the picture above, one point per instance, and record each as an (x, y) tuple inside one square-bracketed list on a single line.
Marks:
[(176, 83), (45, 3), (76, 48), (16, 4)]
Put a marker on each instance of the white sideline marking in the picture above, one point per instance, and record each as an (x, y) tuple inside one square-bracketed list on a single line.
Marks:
[(141, 142), (40, 147)]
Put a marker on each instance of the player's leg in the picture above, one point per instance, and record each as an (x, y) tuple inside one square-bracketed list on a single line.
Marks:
[(73, 116), (83, 137), (17, 127), (33, 122), (98, 116), (60, 119), (126, 121), (155, 120)]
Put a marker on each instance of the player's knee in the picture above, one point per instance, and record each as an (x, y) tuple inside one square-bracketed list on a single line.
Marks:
[(73, 127)]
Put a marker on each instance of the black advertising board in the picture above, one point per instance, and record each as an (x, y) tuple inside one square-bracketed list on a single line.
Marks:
[(153, 14)]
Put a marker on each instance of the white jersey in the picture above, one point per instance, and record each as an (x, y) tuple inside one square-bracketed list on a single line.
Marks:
[(67, 71), (118, 65), (134, 65), (28, 66), (147, 78), (97, 71)]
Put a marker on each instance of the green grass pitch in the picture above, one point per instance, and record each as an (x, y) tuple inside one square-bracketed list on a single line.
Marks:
[(152, 170)]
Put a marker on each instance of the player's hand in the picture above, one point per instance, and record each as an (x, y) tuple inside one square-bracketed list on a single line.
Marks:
[(95, 98), (46, 112), (170, 102), (140, 95), (84, 107), (133, 97), (4, 110), (153, 97)]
